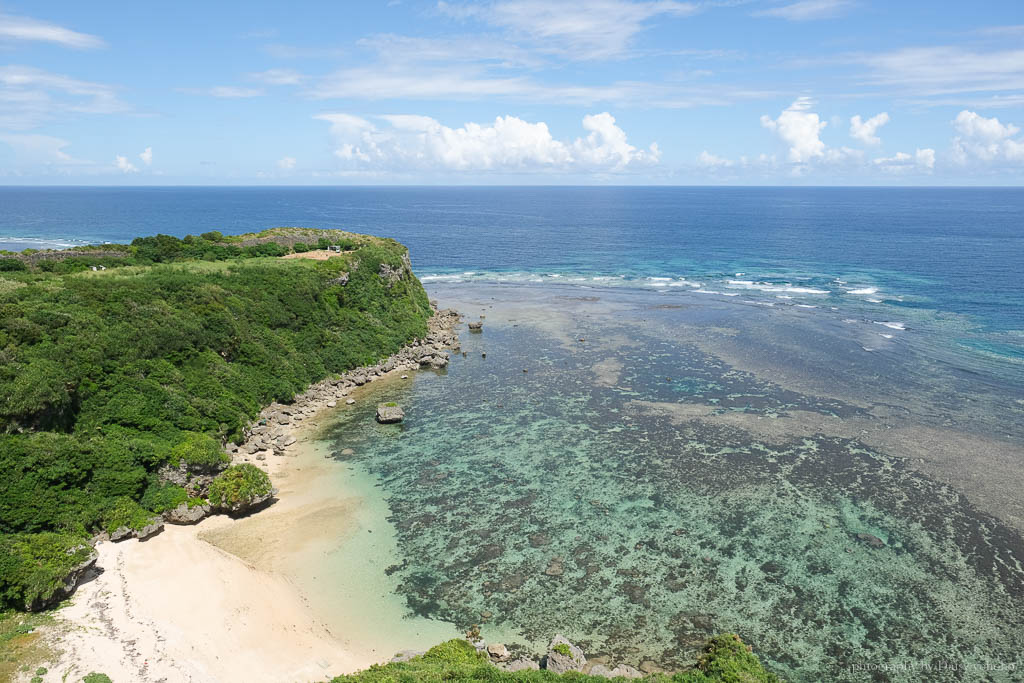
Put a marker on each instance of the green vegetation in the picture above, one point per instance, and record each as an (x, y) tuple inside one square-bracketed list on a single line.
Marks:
[(33, 567), (562, 649), (725, 660), (239, 485), (108, 376), (391, 404), (97, 678), (199, 451)]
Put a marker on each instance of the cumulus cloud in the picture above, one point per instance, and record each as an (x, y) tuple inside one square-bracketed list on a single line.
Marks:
[(985, 139), (124, 165), (286, 163), (901, 162), (867, 131), (509, 144), (28, 29), (807, 10), (147, 156), (799, 128)]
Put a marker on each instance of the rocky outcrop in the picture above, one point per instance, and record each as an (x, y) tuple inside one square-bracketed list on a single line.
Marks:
[(521, 664), (154, 526), (247, 507), (563, 656), (184, 514), (476, 327), (622, 670), (389, 413), (68, 585)]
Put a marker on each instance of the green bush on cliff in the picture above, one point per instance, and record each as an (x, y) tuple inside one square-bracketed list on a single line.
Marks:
[(105, 377), (239, 485), (34, 566), (125, 512), (162, 496), (725, 659), (199, 451)]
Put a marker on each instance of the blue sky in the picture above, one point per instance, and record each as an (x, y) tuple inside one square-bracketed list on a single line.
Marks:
[(512, 92)]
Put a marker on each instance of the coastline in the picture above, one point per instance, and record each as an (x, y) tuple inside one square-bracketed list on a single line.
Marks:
[(222, 599)]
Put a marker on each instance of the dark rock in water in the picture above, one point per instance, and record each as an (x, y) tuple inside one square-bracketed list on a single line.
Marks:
[(389, 413), (69, 583), (183, 514), (476, 327), (872, 540), (539, 539), (556, 567), (521, 664), (559, 662)]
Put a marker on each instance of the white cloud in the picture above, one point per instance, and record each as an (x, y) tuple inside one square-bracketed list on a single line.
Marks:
[(985, 140), (709, 160), (807, 10), (866, 131), (598, 29), (800, 129), (147, 156), (901, 162), (286, 163), (124, 165), (936, 71), (230, 91), (277, 77), (28, 29), (31, 96), (509, 144), (38, 149)]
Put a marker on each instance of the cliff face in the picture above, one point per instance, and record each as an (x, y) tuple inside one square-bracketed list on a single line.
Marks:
[(109, 364)]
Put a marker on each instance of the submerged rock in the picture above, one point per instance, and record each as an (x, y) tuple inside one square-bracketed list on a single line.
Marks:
[(563, 656), (389, 413), (872, 540)]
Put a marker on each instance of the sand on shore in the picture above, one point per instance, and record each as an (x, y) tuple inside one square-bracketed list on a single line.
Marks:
[(223, 601)]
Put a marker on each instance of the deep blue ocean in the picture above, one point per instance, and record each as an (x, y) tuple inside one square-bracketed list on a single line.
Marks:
[(944, 262)]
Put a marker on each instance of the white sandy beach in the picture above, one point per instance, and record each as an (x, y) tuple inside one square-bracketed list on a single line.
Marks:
[(236, 600)]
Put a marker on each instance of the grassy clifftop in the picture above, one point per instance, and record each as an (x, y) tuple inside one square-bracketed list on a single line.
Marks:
[(116, 360)]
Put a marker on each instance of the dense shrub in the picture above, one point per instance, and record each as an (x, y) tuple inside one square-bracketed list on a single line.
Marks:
[(33, 567), (162, 496), (125, 512), (239, 485), (199, 451), (300, 247), (8, 265)]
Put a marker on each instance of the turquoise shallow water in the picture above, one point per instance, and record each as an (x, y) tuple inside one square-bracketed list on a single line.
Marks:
[(638, 492)]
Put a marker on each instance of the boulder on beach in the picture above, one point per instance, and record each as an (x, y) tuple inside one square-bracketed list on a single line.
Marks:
[(186, 514), (389, 413), (521, 664)]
